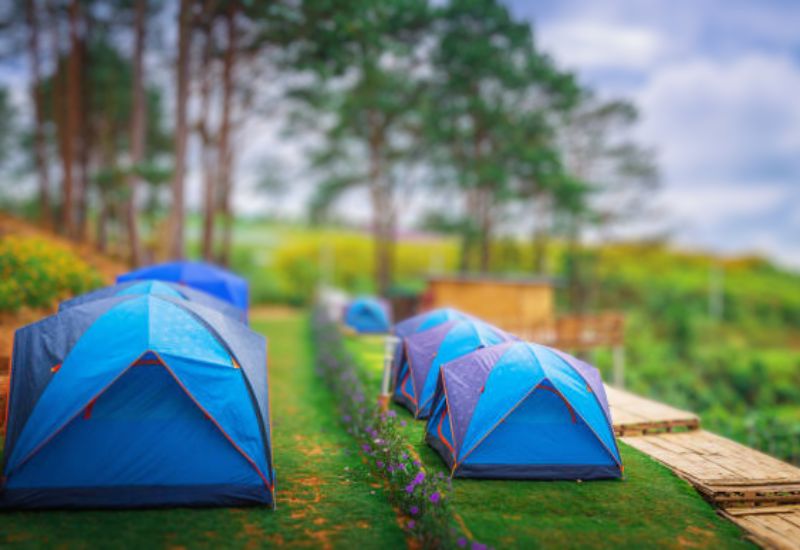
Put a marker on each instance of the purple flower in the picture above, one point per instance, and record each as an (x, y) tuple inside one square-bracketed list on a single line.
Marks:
[(462, 542), (409, 489), (411, 524), (418, 464), (414, 510), (390, 468), (379, 464), (366, 448), (403, 423), (347, 418), (436, 497), (419, 478), (404, 456), (391, 414), (478, 546)]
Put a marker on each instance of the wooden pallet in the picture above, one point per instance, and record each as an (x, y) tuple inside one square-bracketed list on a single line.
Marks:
[(724, 472), (774, 527), (635, 415)]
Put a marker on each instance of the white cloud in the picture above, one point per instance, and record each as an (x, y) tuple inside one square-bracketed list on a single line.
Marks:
[(593, 45), (725, 120)]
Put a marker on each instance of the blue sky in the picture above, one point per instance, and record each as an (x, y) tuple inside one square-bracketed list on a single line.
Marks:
[(718, 86)]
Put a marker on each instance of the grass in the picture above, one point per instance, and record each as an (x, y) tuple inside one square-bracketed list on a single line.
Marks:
[(325, 495), (651, 507)]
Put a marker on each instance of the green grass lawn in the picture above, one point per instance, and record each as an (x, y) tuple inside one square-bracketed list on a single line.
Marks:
[(651, 507), (325, 495)]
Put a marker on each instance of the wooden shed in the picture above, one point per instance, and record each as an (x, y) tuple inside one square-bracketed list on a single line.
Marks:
[(513, 304)]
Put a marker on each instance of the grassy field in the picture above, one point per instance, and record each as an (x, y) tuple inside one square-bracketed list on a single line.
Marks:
[(325, 495), (651, 507), (735, 364)]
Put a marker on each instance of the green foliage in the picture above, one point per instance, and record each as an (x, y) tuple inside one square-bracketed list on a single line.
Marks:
[(37, 273)]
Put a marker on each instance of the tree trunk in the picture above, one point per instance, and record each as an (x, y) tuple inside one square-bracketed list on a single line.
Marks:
[(575, 272), (73, 119), (138, 132), (468, 231), (63, 126), (380, 208), (84, 131), (210, 190), (540, 238), (40, 152), (102, 226), (486, 222), (225, 155), (177, 217)]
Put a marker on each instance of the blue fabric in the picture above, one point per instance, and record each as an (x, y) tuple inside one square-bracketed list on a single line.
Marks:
[(212, 387), (420, 323), (463, 338), (209, 278), (38, 348), (250, 351), (157, 288), (367, 315), (427, 320), (522, 410), (143, 430), (550, 436), (138, 496), (151, 287), (521, 369)]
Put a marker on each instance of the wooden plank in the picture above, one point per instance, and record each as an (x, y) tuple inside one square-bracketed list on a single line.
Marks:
[(635, 415), (779, 530), (697, 451), (725, 472)]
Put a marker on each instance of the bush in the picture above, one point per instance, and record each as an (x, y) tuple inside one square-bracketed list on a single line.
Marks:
[(36, 273)]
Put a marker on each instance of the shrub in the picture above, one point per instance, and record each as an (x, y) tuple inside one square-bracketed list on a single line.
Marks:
[(36, 273)]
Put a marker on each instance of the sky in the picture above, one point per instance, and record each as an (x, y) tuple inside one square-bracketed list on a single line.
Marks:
[(717, 83)]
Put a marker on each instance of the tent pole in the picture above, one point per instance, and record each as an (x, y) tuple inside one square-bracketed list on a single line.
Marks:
[(619, 366), (389, 345)]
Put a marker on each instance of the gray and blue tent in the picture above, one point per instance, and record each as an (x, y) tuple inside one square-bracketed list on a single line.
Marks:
[(137, 401), (523, 411), (426, 352), (420, 323), (158, 288)]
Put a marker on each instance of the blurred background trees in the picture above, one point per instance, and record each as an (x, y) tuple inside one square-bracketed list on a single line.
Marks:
[(454, 102)]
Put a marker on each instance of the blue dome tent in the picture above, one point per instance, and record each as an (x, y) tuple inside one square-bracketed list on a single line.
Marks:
[(137, 401), (209, 278), (523, 411), (426, 352), (157, 288), (368, 315), (420, 323), (427, 320)]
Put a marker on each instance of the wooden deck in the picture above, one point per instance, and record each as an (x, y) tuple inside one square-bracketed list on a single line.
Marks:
[(759, 493), (635, 415), (770, 527), (726, 473)]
